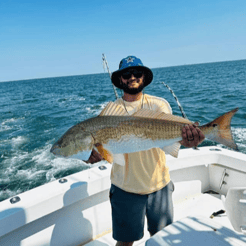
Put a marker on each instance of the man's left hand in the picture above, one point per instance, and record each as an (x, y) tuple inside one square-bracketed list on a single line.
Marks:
[(191, 136)]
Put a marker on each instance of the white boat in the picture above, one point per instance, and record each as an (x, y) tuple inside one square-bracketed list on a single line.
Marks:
[(75, 210)]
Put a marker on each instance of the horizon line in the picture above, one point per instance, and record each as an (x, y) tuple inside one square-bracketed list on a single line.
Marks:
[(105, 72)]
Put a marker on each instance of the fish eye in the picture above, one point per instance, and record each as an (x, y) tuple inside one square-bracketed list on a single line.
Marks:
[(214, 125)]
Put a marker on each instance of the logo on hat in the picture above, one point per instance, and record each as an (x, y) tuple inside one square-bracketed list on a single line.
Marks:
[(130, 59)]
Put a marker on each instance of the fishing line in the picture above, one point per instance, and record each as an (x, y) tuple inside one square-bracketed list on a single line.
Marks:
[(177, 100), (105, 65)]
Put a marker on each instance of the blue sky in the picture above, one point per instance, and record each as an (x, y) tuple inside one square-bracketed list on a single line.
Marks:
[(60, 38)]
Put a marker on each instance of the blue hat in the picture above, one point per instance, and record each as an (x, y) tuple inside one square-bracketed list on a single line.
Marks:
[(131, 62)]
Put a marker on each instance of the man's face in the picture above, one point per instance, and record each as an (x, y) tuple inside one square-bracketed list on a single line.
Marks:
[(132, 81)]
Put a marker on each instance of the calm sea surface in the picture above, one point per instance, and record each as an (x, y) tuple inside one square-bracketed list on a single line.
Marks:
[(35, 113)]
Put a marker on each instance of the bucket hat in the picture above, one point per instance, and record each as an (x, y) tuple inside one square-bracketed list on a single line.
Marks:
[(131, 62)]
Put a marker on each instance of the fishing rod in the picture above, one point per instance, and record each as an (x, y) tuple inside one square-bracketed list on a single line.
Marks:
[(180, 107), (177, 100), (105, 65)]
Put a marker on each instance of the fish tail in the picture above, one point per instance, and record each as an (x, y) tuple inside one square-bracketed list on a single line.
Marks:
[(219, 130)]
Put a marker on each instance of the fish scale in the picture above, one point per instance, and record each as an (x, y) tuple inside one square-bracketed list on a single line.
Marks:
[(139, 127)]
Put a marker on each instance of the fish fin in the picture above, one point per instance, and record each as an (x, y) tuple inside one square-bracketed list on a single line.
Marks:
[(119, 159), (113, 109), (147, 113), (106, 155), (172, 150), (224, 134)]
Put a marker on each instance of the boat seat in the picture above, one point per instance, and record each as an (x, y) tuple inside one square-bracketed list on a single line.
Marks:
[(235, 206), (200, 231)]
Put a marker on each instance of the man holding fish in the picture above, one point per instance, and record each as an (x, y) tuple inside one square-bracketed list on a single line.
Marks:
[(134, 133), (141, 184)]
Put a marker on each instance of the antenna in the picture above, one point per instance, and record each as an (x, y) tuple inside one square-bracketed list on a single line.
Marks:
[(105, 65)]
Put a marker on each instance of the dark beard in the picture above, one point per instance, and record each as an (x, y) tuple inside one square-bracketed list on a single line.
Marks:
[(132, 91)]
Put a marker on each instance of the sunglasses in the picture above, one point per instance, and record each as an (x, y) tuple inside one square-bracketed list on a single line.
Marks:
[(128, 74)]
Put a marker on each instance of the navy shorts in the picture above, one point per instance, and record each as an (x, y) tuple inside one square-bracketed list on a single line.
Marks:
[(129, 210)]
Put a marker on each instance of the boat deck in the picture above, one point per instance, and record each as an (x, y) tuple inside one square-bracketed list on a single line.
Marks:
[(197, 206)]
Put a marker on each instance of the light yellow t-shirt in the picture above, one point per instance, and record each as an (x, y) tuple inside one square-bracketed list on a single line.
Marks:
[(144, 172)]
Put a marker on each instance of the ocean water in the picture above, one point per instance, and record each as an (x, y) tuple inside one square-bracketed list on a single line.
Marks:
[(35, 113)]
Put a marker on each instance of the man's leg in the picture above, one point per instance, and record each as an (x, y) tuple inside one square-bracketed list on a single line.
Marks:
[(160, 209), (128, 214)]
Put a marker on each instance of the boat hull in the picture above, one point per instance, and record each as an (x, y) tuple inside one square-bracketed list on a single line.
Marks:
[(76, 210)]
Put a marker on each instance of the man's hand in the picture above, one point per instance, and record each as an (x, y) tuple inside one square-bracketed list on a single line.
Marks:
[(95, 157), (191, 136)]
